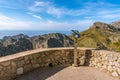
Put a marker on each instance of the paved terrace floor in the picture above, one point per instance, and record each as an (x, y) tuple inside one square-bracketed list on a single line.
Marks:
[(67, 73)]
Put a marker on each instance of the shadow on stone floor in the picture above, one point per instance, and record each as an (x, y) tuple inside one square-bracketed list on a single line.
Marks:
[(41, 73)]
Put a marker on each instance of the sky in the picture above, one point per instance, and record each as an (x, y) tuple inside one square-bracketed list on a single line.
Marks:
[(56, 15)]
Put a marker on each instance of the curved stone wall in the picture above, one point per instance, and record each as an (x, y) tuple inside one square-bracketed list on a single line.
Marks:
[(14, 65)]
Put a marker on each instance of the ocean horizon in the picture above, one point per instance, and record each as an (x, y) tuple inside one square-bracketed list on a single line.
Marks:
[(30, 33)]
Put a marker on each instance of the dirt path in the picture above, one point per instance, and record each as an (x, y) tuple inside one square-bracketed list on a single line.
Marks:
[(67, 73)]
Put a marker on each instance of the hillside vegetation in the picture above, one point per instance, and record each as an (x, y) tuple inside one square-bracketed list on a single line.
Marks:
[(101, 36)]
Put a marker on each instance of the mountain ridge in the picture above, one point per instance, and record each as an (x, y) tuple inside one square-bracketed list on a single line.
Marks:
[(101, 35), (21, 42)]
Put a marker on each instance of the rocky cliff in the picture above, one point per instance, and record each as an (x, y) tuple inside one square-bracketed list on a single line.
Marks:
[(116, 24), (21, 42), (51, 40)]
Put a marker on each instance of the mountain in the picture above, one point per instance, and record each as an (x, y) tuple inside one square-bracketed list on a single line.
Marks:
[(51, 40), (21, 42), (116, 24), (102, 36), (15, 37)]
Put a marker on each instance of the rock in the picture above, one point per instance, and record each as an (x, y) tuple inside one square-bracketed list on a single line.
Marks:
[(110, 68), (7, 63), (21, 42), (20, 71), (20, 63), (28, 68), (111, 64), (36, 65), (99, 65), (115, 58), (115, 74), (116, 64), (116, 24), (51, 40), (104, 66), (1, 67), (118, 70)]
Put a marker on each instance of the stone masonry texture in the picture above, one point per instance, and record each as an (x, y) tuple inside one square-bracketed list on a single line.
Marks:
[(14, 65)]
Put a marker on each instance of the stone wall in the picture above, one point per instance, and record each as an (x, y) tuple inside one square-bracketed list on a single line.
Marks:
[(13, 65), (106, 60)]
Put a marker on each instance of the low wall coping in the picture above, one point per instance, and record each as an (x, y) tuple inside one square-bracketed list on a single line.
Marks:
[(24, 53)]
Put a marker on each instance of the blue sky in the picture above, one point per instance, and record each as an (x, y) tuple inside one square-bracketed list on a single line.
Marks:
[(56, 15)]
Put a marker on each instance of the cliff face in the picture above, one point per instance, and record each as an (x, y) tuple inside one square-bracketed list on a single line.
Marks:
[(51, 40), (21, 42), (116, 24)]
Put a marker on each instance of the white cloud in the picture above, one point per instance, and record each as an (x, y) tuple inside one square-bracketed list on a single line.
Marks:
[(89, 13), (7, 23), (105, 15), (18, 25), (36, 16), (50, 8), (63, 26), (46, 7), (5, 18), (100, 10), (38, 3)]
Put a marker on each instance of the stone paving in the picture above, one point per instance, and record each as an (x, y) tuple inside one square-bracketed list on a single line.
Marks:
[(67, 73)]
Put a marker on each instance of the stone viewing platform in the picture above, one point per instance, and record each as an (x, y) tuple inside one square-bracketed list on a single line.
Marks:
[(27, 65), (67, 73)]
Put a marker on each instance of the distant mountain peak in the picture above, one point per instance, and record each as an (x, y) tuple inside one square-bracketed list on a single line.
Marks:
[(99, 25), (16, 37), (115, 26)]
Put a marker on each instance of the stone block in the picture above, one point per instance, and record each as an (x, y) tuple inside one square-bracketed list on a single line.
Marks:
[(116, 64), (7, 63), (114, 58), (99, 65), (104, 66), (1, 67), (20, 63), (115, 74), (118, 70), (26, 58), (13, 64), (110, 68), (36, 65), (20, 71), (36, 56), (111, 64), (28, 68), (20, 58), (27, 62), (34, 62)]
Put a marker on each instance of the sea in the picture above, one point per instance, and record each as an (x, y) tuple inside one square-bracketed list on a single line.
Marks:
[(30, 33)]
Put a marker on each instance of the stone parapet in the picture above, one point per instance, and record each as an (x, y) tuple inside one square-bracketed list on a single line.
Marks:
[(14, 65)]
